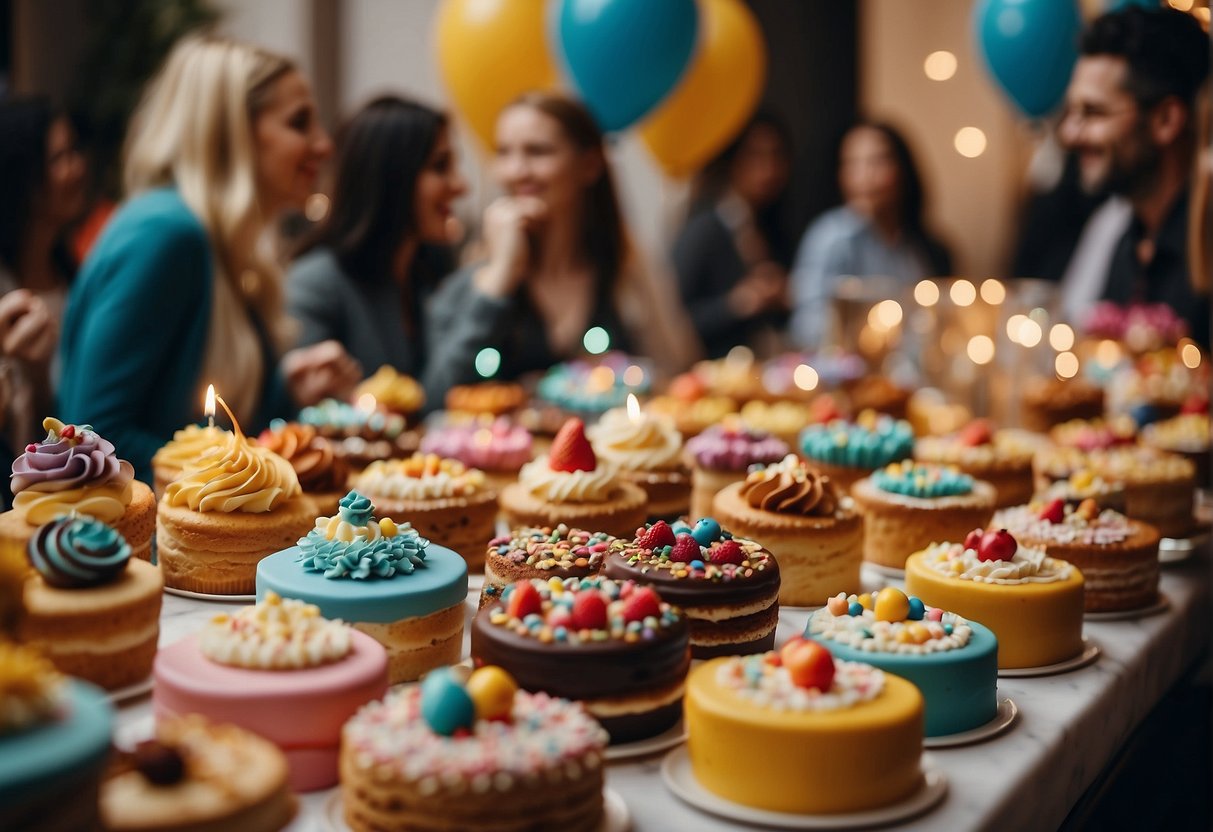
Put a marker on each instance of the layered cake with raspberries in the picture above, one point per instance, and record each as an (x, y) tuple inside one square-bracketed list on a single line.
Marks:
[(952, 661), (544, 553), (798, 732), (1033, 603), (1118, 556), (472, 753), (727, 586), (613, 645)]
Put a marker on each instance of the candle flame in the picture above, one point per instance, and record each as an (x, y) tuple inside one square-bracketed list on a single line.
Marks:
[(208, 410), (633, 408)]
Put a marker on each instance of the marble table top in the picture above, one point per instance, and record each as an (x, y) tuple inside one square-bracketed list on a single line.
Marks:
[(1069, 725)]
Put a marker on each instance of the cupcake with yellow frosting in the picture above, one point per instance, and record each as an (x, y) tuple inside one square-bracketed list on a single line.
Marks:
[(647, 450), (186, 448), (75, 470), (322, 473), (219, 519), (393, 391), (443, 499), (570, 485)]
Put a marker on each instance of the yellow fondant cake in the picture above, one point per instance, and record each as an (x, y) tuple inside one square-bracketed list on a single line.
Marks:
[(762, 733), (1032, 602)]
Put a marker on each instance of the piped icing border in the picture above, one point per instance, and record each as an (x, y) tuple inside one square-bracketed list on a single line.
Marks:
[(758, 679), (275, 634)]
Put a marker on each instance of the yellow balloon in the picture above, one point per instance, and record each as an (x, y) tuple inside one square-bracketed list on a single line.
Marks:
[(717, 94), (489, 53)]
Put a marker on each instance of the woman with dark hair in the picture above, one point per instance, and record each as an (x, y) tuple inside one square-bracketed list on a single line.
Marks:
[(367, 269), (879, 230), (42, 190), (733, 254), (559, 261)]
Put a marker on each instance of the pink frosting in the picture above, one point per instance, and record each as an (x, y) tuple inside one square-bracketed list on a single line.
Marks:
[(301, 711), (500, 446), (728, 448), (61, 464)]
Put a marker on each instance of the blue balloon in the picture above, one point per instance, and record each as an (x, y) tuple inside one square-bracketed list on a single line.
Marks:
[(1030, 47), (624, 56)]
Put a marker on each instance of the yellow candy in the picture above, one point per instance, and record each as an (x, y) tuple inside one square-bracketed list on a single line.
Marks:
[(1082, 479), (865, 601), (902, 637), (388, 527), (557, 585), (492, 691), (892, 605), (918, 632)]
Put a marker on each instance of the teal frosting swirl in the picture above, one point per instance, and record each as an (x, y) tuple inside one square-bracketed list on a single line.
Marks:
[(854, 446), (73, 552), (923, 481), (356, 509)]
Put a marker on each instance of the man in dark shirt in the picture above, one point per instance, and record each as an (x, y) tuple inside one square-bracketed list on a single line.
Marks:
[(1130, 118)]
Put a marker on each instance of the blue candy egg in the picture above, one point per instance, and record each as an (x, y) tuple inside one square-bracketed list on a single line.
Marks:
[(445, 704), (855, 608), (697, 564), (917, 609), (706, 531)]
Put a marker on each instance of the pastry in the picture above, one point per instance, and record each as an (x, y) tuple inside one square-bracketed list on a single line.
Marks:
[(846, 452), (184, 450), (392, 391), (1003, 458), (361, 435), (647, 451), (497, 447), (544, 553), (322, 474), (722, 455)]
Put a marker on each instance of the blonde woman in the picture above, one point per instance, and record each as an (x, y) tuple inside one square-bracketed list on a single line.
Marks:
[(177, 292)]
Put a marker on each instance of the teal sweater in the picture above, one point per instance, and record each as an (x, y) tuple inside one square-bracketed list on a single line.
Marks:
[(134, 334)]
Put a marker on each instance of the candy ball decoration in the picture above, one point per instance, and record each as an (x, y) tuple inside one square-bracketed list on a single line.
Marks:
[(809, 664), (892, 605), (445, 704), (917, 609), (973, 539), (706, 531), (492, 692), (837, 605), (997, 545)]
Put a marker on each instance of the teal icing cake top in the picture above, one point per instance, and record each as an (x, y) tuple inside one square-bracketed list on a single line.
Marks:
[(869, 443), (353, 544), (916, 479), (72, 552)]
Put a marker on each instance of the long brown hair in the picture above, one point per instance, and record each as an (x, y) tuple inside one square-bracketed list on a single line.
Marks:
[(603, 238)]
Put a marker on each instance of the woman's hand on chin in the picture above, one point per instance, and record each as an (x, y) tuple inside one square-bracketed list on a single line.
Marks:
[(321, 371)]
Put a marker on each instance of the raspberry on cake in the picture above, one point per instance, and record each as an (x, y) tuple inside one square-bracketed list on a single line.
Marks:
[(799, 732), (571, 486), (75, 470), (1033, 603), (797, 514), (647, 451), (728, 587), (472, 752), (444, 500), (90, 608), (383, 578), (952, 661), (615, 646), (908, 505), (280, 670), (322, 474), (1118, 556), (544, 553)]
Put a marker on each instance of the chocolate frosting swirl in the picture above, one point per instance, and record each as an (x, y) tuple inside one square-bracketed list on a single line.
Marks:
[(311, 455), (788, 487)]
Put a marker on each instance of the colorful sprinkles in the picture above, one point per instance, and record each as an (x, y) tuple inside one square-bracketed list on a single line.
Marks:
[(583, 610)]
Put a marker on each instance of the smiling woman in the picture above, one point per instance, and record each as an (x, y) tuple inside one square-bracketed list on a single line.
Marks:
[(175, 293)]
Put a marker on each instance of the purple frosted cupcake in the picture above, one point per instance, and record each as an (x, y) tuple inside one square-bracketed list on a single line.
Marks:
[(721, 455), (498, 448)]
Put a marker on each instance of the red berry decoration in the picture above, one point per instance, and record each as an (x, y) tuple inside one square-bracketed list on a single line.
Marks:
[(589, 611), (727, 551), (31, 448), (977, 432), (790, 645), (997, 545), (973, 539), (641, 604), (68, 432), (524, 600), (570, 449), (685, 550), (809, 664), (657, 535), (1055, 511)]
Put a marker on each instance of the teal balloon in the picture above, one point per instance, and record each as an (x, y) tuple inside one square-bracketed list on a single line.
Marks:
[(1030, 47), (624, 56)]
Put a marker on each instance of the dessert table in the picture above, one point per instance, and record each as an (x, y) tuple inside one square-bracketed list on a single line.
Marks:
[(1069, 726)]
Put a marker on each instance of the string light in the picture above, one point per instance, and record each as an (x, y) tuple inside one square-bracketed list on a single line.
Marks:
[(1066, 364), (596, 340), (1061, 337), (963, 293), (970, 142), (488, 362), (993, 292), (926, 293), (805, 377), (981, 349), (940, 66)]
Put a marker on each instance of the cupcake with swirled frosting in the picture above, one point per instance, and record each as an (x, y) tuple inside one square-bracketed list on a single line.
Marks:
[(570, 485), (90, 608), (74, 470), (187, 446), (383, 578), (361, 434), (323, 474), (444, 500), (647, 450), (219, 519), (847, 452), (798, 514), (908, 505)]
